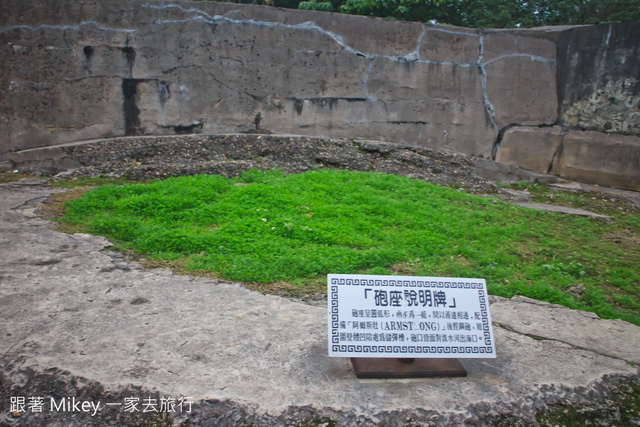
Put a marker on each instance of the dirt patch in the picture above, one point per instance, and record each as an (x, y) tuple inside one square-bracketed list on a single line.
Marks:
[(53, 206), (625, 238)]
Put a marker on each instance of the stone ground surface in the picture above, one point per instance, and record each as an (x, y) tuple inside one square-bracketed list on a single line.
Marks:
[(79, 320)]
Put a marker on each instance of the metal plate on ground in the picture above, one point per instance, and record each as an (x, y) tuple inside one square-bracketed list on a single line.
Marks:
[(397, 368)]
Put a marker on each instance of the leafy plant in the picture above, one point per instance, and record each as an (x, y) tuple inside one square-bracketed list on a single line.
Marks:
[(324, 6)]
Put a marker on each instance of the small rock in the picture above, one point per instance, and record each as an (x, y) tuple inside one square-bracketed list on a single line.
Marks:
[(16, 414), (65, 174), (577, 290)]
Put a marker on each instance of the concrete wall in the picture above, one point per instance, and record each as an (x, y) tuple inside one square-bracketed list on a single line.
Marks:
[(596, 136), (599, 78), (79, 70)]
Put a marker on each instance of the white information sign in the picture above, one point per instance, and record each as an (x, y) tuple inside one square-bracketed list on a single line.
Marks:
[(408, 317)]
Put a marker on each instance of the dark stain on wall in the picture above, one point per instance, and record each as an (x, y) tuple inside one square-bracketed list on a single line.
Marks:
[(130, 56), (88, 52), (131, 111), (299, 103)]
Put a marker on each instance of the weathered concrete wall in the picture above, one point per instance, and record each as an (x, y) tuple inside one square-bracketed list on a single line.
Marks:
[(611, 160), (599, 78), (598, 84), (89, 69)]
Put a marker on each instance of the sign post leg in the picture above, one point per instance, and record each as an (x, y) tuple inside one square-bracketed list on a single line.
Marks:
[(370, 367)]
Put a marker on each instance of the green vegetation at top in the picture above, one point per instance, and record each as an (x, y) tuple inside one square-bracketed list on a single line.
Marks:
[(286, 233), (478, 13), (490, 13)]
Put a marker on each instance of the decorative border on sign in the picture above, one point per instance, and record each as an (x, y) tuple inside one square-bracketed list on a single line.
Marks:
[(335, 335), (391, 349), (445, 284)]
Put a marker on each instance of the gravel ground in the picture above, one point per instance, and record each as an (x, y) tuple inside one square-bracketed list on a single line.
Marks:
[(230, 155)]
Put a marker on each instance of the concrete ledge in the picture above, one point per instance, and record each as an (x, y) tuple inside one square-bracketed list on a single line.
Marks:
[(611, 160), (44, 160), (614, 338), (530, 147), (501, 172)]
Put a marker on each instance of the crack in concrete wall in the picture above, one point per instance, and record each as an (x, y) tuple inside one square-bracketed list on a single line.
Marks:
[(487, 104), (412, 57), (533, 58), (309, 25), (303, 71), (366, 80)]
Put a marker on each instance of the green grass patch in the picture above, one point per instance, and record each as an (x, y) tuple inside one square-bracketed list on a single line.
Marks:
[(285, 233)]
